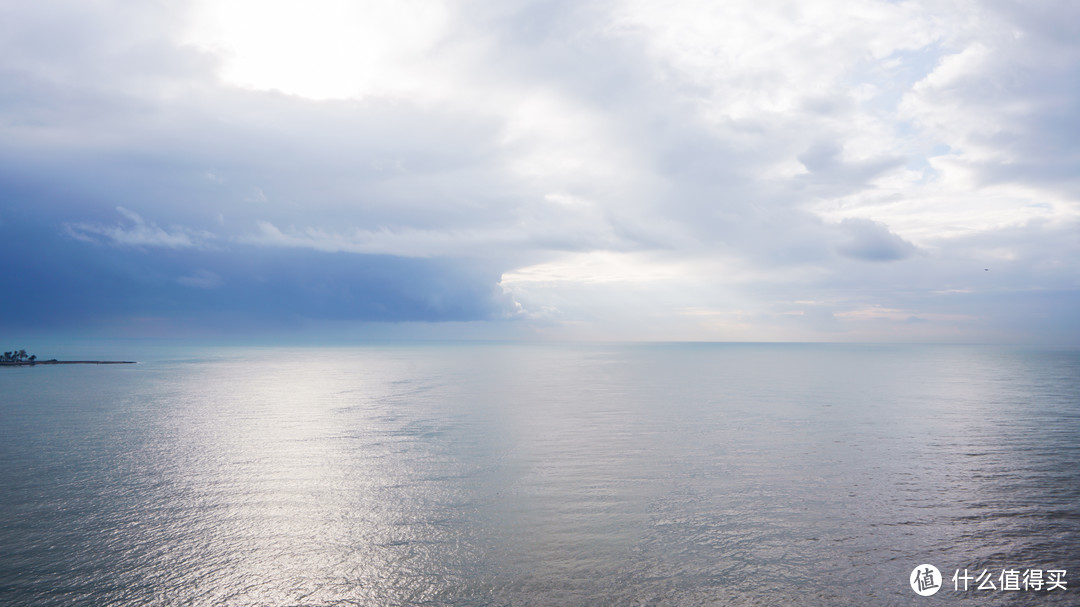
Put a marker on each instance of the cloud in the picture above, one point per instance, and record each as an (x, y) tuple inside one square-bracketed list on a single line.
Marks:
[(406, 243), (1005, 98), (64, 284), (609, 164), (872, 241), (140, 233), (824, 160), (361, 47)]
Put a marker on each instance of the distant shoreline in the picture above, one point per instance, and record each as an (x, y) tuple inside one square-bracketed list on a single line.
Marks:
[(26, 363)]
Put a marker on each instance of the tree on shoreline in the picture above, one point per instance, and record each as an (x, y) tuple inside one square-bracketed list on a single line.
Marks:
[(17, 357)]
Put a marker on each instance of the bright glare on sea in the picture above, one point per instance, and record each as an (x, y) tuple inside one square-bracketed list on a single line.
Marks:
[(510, 474)]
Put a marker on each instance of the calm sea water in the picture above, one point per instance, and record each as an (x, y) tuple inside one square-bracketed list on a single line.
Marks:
[(540, 475)]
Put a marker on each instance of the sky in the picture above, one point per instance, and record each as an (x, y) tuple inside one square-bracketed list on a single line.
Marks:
[(810, 170)]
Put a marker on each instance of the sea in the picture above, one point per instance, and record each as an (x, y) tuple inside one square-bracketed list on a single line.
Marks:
[(518, 474)]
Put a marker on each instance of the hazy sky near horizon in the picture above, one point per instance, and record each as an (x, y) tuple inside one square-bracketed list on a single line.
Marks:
[(596, 169)]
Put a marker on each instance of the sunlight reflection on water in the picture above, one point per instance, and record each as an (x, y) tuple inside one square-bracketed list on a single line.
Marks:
[(538, 475)]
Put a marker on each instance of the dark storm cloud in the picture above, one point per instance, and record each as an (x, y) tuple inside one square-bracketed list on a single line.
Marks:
[(60, 282), (128, 177)]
